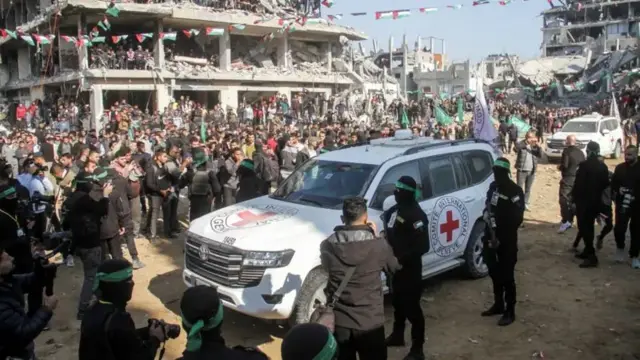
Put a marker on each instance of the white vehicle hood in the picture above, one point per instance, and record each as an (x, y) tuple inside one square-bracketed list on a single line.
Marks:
[(265, 224), (581, 137)]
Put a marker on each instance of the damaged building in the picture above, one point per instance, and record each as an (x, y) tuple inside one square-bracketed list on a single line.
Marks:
[(601, 25), (149, 53)]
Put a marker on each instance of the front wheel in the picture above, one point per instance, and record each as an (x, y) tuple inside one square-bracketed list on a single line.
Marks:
[(475, 266), (311, 293), (617, 152)]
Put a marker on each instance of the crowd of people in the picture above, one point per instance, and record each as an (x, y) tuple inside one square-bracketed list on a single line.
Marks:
[(120, 57), (108, 189)]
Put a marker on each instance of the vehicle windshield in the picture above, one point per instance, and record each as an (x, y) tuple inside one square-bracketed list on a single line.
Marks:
[(580, 127), (324, 183)]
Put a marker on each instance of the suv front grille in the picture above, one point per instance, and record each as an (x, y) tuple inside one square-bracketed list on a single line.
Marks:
[(223, 264), (556, 144)]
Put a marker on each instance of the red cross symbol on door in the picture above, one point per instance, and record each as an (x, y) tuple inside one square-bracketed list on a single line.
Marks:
[(449, 226)]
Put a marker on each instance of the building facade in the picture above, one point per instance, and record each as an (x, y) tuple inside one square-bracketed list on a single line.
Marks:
[(157, 51)]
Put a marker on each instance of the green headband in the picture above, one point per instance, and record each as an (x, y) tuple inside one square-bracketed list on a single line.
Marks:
[(194, 338), (329, 349), (247, 164), (113, 277), (9, 191), (502, 164), (406, 187)]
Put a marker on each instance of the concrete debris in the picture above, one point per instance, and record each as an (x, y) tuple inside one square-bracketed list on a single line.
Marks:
[(191, 60)]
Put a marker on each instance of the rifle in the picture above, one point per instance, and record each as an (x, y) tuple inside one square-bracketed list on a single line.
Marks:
[(491, 223)]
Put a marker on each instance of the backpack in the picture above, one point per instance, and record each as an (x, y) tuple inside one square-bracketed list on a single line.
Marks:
[(270, 170)]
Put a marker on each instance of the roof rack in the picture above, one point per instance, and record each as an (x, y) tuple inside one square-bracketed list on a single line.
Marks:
[(353, 145), (418, 148)]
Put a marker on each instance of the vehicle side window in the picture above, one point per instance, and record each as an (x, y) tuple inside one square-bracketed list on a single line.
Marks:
[(462, 178), (613, 125), (388, 183), (479, 163), (442, 179)]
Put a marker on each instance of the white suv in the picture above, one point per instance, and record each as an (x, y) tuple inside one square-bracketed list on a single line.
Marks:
[(263, 255), (605, 130)]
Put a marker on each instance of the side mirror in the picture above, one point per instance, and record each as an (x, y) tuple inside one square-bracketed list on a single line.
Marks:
[(388, 203), (605, 131)]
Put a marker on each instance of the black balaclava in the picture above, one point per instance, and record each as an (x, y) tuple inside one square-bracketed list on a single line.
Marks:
[(113, 282), (406, 191), (246, 168), (309, 342), (593, 149), (502, 170), (202, 315)]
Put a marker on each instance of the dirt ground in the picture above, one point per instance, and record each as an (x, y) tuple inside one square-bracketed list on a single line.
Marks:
[(563, 312)]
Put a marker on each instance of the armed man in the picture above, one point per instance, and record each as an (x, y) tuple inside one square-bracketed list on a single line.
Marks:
[(622, 193), (504, 213), (406, 226), (203, 186), (592, 178)]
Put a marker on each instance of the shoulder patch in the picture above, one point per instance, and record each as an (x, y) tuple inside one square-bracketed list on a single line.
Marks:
[(418, 224), (515, 198), (400, 219)]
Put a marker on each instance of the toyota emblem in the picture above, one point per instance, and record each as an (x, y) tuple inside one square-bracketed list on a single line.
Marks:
[(204, 252)]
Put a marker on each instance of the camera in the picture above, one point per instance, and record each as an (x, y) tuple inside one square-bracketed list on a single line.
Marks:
[(172, 331)]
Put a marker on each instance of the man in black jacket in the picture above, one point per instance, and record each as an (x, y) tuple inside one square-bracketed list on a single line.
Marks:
[(503, 214), (17, 329), (203, 185), (406, 227), (158, 188), (86, 207), (592, 178), (108, 331), (359, 310), (112, 226), (622, 183), (571, 158)]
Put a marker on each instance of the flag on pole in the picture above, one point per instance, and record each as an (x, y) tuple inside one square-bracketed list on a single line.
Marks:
[(428, 10), (405, 120), (613, 109), (442, 117), (482, 127), (203, 130), (460, 109)]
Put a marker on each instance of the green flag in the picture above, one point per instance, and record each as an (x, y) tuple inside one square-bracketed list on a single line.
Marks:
[(405, 120), (522, 126), (442, 118), (203, 131), (113, 11), (460, 110)]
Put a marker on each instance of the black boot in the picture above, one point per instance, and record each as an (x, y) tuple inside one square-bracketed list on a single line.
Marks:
[(582, 256), (507, 318), (416, 353), (396, 339), (589, 262), (495, 309)]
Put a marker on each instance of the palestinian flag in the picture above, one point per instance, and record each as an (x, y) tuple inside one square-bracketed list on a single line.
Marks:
[(214, 31), (480, 2), (428, 10), (169, 36), (104, 24)]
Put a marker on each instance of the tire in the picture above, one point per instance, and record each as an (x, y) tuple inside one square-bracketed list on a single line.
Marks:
[(617, 152), (474, 265), (311, 290)]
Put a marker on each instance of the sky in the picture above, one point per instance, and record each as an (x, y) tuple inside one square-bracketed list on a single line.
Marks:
[(471, 32)]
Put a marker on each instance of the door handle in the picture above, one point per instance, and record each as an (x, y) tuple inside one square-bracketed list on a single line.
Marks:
[(469, 199)]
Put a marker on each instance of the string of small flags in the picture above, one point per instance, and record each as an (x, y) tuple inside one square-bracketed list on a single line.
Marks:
[(403, 13)]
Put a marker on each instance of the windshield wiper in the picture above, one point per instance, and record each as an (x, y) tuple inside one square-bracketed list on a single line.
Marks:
[(314, 202)]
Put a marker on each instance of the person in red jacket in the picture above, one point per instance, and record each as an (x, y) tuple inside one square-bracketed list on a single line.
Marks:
[(21, 113)]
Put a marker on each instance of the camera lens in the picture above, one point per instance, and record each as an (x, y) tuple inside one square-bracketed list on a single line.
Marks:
[(173, 331)]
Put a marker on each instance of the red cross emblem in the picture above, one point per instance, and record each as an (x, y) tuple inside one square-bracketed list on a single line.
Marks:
[(247, 217), (449, 226)]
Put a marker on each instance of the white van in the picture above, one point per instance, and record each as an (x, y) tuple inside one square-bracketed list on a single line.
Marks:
[(263, 255)]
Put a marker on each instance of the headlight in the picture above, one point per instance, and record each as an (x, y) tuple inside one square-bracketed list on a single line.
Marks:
[(547, 141), (268, 259)]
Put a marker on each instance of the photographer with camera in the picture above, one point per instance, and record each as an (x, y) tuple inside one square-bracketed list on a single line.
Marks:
[(41, 192), (17, 329), (202, 315), (108, 331), (86, 207)]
